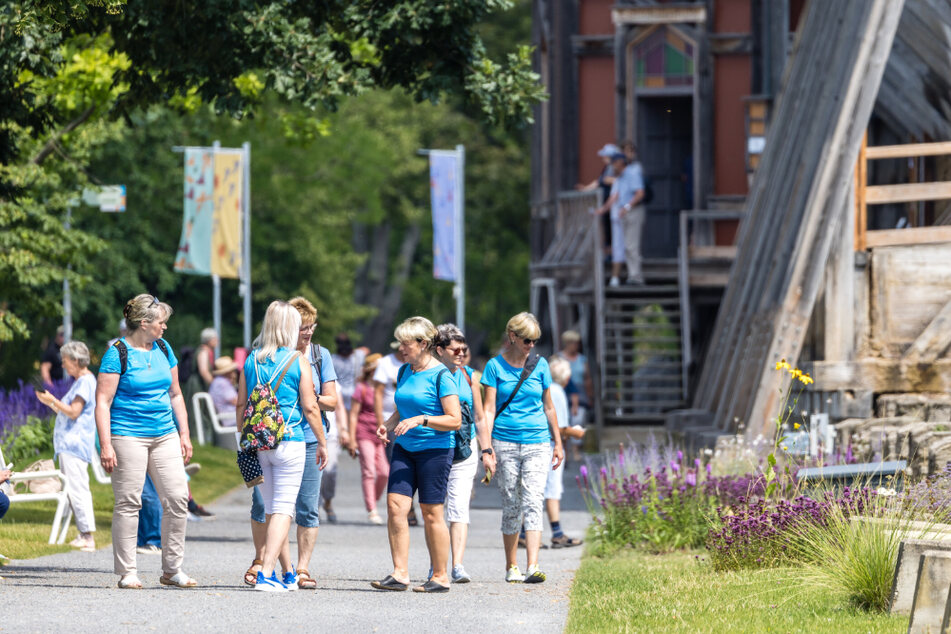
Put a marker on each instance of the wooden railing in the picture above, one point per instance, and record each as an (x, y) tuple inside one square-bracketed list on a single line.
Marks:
[(866, 195)]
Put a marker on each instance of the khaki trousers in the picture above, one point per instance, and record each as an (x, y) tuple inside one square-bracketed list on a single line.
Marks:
[(162, 458), (633, 222)]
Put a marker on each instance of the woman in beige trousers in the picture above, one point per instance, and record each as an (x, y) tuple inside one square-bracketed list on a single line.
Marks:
[(138, 402)]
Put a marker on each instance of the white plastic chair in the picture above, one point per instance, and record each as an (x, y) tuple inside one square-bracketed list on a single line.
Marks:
[(216, 419), (64, 512), (99, 473)]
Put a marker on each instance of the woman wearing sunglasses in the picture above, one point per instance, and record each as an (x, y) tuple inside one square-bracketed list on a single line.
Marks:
[(143, 427), (452, 350), (520, 416)]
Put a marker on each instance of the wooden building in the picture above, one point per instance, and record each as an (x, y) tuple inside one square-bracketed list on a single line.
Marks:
[(773, 232)]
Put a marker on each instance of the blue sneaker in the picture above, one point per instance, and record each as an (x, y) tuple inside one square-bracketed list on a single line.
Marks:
[(269, 584), (290, 579)]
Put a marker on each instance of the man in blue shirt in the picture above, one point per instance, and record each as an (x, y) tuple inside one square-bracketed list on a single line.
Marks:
[(627, 219)]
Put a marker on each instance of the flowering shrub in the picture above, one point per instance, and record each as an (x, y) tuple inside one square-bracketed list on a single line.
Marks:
[(26, 425), (651, 497), (758, 533)]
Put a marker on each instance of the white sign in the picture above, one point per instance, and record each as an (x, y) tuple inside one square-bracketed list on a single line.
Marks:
[(112, 198)]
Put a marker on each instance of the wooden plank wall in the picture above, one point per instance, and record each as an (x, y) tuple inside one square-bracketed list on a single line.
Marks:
[(796, 207)]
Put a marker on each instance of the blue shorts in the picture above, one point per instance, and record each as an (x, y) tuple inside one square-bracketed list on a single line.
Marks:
[(425, 471), (4, 503), (308, 498)]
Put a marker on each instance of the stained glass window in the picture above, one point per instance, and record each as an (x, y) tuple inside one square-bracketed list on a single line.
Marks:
[(663, 59)]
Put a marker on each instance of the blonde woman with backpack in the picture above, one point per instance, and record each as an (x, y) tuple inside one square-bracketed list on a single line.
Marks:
[(276, 370)]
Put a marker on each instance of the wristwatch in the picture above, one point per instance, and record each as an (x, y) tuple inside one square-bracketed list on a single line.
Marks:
[(425, 420), (487, 451)]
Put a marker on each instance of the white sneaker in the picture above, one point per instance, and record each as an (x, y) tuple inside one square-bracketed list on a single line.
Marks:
[(150, 549), (374, 518), (614, 283), (269, 584), (459, 575), (514, 575)]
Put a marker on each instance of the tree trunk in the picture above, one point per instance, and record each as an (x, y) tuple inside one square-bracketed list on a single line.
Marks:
[(387, 297)]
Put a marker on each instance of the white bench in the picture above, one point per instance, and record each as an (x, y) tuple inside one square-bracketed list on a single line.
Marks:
[(64, 512), (217, 420)]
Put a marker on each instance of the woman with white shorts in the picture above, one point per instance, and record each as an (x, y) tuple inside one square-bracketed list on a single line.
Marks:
[(451, 348)]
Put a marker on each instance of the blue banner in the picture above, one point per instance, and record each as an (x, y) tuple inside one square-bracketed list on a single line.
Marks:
[(194, 248), (443, 187)]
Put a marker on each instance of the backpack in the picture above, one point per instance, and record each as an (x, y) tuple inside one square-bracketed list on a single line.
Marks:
[(463, 435), (263, 426), (187, 364), (648, 191), (123, 351), (318, 363)]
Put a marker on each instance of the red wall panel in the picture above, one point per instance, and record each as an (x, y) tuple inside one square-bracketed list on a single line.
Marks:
[(595, 113), (732, 16), (594, 17), (731, 84)]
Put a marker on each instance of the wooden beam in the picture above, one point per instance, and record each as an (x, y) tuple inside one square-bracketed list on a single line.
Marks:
[(904, 237), (670, 13), (861, 183), (717, 253), (907, 192), (731, 43), (882, 375), (908, 150), (933, 341)]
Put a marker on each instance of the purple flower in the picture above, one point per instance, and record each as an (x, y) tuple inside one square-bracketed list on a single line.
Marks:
[(584, 471)]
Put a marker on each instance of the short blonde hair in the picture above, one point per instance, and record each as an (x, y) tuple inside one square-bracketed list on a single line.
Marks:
[(308, 312), (416, 329), (77, 351), (280, 329), (145, 307), (524, 325), (560, 370)]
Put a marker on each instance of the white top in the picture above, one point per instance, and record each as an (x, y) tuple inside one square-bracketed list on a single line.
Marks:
[(386, 371), (560, 401)]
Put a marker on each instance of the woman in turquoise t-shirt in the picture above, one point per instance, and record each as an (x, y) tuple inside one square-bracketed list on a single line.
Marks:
[(138, 403), (427, 413), (522, 427)]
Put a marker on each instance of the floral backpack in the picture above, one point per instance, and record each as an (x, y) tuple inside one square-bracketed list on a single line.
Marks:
[(263, 421)]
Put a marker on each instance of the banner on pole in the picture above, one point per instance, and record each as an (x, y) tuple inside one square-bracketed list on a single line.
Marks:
[(444, 189), (226, 234), (194, 248), (211, 226)]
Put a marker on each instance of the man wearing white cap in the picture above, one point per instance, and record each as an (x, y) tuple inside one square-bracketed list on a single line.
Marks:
[(626, 204), (604, 180)]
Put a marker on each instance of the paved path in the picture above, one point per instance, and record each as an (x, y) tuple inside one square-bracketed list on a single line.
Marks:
[(76, 591)]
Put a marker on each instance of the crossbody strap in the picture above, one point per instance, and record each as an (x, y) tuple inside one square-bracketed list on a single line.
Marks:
[(527, 370), (287, 366)]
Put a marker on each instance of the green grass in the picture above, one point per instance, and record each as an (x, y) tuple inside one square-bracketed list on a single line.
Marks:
[(636, 592), (25, 529)]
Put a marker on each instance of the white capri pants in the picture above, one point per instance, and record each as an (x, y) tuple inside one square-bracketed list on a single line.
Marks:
[(556, 484), (76, 471), (459, 490), (283, 470)]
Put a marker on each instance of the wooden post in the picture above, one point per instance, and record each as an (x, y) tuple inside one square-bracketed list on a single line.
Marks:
[(861, 182)]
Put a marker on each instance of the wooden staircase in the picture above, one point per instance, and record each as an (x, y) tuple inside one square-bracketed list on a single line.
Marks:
[(642, 362)]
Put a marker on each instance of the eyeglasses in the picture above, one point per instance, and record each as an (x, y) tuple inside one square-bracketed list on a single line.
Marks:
[(308, 329), (529, 342)]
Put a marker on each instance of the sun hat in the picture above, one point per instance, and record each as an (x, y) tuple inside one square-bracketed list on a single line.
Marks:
[(224, 365), (371, 361), (609, 149)]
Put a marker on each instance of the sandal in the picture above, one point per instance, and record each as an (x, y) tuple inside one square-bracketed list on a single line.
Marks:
[(179, 580), (130, 582), (565, 542), (389, 583), (305, 581), (432, 587), (251, 576)]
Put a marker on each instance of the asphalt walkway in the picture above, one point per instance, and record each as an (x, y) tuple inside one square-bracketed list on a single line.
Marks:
[(77, 591)]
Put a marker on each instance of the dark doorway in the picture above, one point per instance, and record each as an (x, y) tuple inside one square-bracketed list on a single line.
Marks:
[(665, 149)]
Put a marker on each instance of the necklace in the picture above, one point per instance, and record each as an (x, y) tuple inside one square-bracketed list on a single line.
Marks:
[(150, 358)]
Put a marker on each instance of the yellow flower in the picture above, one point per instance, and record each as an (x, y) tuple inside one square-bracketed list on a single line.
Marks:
[(785, 448), (782, 365), (796, 374), (805, 378), (795, 426)]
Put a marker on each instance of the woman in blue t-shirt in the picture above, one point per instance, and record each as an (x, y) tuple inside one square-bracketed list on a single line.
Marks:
[(283, 466), (451, 348), (138, 403), (427, 413), (523, 424)]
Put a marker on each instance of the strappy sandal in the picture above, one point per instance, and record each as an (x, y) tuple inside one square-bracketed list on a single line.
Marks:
[(130, 582), (179, 580), (305, 581), (565, 542), (251, 576)]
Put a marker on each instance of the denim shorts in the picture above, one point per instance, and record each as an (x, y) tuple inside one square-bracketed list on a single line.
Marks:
[(425, 471), (308, 498)]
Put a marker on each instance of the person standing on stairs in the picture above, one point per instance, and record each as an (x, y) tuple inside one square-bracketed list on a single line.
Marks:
[(626, 204)]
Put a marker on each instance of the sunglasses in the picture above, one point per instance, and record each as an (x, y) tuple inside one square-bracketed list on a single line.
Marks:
[(155, 301), (457, 351), (529, 342)]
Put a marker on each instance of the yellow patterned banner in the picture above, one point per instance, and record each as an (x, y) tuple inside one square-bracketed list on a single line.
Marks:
[(226, 234)]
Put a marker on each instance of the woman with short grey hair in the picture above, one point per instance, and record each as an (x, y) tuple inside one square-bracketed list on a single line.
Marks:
[(74, 438)]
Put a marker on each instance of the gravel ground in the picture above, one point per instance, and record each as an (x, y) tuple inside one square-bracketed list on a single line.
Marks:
[(77, 591)]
